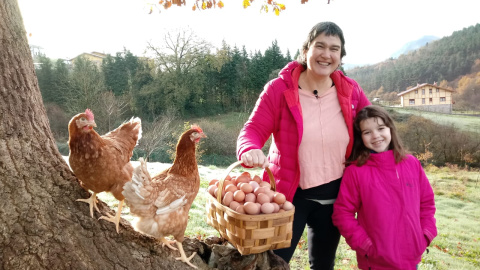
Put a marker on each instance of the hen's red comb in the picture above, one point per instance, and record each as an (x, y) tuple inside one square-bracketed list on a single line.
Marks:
[(195, 126), (89, 114)]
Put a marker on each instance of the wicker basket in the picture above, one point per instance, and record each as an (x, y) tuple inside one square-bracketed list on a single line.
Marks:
[(250, 234)]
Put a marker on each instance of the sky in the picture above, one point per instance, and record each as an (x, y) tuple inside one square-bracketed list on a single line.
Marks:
[(373, 29)]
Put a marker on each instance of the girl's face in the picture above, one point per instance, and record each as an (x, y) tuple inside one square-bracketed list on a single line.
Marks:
[(323, 55), (375, 134)]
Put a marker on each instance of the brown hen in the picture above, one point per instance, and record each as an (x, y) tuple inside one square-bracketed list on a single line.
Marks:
[(162, 202), (102, 163)]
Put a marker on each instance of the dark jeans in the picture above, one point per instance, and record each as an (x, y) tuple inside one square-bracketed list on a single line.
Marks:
[(323, 236)]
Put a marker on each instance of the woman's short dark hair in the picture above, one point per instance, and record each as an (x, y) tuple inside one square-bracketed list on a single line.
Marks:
[(330, 29), (360, 152)]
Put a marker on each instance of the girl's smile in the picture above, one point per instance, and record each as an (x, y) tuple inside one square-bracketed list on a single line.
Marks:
[(375, 134)]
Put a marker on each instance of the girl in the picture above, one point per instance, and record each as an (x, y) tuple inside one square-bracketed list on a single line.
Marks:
[(385, 208)]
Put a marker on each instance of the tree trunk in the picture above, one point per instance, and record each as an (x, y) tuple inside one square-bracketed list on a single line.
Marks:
[(41, 224)]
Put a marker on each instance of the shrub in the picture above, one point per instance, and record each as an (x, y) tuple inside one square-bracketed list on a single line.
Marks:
[(220, 141)]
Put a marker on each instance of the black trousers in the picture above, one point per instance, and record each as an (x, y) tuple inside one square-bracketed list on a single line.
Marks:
[(323, 236)]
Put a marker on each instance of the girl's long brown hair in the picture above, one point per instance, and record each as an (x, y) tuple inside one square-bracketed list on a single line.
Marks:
[(360, 152)]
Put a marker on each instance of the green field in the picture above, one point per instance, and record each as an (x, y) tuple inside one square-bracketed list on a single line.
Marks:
[(457, 196), (463, 122)]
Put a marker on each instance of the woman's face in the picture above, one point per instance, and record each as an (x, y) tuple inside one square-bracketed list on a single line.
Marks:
[(323, 55)]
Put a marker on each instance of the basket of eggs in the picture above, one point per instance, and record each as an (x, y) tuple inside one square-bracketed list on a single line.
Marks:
[(249, 213)]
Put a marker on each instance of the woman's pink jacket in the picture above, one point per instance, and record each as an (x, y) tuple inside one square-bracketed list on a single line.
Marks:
[(278, 112), (394, 208)]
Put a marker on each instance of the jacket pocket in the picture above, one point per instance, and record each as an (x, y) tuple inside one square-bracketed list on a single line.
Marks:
[(416, 242)]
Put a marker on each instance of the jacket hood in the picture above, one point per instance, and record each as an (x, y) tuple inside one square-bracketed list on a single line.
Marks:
[(286, 74)]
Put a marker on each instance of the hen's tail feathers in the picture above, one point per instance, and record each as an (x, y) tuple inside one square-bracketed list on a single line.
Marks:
[(172, 206), (127, 134), (138, 126), (139, 188)]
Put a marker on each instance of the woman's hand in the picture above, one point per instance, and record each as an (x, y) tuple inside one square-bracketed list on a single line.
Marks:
[(255, 158)]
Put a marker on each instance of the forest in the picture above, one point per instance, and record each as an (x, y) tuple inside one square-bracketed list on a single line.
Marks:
[(186, 79), (453, 62)]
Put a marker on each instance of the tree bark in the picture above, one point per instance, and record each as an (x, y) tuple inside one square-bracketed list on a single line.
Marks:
[(41, 224)]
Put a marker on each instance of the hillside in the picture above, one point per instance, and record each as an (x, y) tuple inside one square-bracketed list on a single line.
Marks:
[(414, 45), (443, 59)]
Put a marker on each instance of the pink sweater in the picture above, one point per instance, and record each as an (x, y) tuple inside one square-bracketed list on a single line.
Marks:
[(395, 210), (278, 112), (325, 138)]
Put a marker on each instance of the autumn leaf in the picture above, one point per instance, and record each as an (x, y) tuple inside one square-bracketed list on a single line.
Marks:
[(276, 10), (220, 4), (281, 6), (204, 5), (246, 3), (194, 8)]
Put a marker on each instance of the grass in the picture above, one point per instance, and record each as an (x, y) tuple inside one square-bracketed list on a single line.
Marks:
[(464, 122), (457, 196)]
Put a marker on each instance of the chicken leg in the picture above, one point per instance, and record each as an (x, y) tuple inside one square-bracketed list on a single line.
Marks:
[(92, 201), (114, 219), (166, 242), (183, 257)]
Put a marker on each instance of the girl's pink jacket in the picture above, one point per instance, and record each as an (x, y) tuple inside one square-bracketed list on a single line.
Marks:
[(395, 210), (278, 112)]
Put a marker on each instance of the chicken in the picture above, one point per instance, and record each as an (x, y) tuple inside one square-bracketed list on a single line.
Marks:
[(102, 163), (162, 202)]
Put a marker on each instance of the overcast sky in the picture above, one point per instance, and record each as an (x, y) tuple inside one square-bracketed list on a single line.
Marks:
[(373, 29)]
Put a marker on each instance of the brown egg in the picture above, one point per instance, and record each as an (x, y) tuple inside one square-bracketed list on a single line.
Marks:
[(270, 194), (239, 196), (247, 174), (262, 198), (251, 208), (243, 179), (211, 190), (259, 190), (250, 197), (212, 182), (227, 199), (276, 207), (266, 185), (226, 183), (240, 209), (267, 208), (234, 204), (279, 198), (257, 179), (246, 187), (231, 188), (287, 206)]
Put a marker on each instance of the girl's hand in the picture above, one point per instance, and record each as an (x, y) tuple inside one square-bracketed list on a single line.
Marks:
[(255, 158)]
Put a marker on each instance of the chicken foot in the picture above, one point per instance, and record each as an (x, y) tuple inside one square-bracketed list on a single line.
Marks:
[(166, 242), (114, 219), (92, 201), (183, 257)]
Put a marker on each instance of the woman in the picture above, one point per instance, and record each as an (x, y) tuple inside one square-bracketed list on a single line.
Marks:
[(309, 109)]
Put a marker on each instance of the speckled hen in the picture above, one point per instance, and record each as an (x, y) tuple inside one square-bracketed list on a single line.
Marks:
[(102, 163)]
